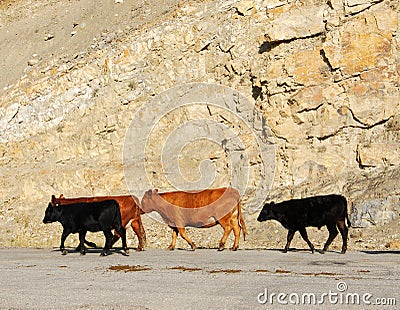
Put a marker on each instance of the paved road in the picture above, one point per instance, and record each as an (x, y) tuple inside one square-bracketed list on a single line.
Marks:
[(205, 278)]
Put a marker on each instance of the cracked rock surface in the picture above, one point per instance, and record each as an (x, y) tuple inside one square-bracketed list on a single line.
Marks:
[(325, 75)]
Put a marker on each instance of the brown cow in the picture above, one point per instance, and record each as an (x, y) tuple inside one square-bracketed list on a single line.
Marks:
[(202, 209), (129, 207)]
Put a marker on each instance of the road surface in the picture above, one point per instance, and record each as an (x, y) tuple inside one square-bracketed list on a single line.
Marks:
[(205, 278)]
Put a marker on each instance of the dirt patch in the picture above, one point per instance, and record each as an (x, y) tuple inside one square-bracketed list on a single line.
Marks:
[(182, 268), (319, 274), (393, 245), (27, 266), (225, 271), (129, 268), (5, 3), (282, 271)]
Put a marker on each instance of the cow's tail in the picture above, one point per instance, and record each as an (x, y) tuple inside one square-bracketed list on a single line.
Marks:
[(346, 213), (120, 229), (138, 212), (241, 221)]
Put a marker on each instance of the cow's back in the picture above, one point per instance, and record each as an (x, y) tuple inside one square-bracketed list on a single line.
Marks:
[(199, 199), (125, 200), (93, 216), (314, 211), (197, 208), (129, 205)]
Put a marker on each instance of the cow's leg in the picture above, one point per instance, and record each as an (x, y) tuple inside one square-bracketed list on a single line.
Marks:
[(125, 249), (182, 232), (64, 236), (91, 244), (137, 227), (236, 232), (115, 238), (174, 237), (289, 238), (122, 232), (82, 249), (108, 234), (344, 232), (303, 233), (227, 230), (332, 235)]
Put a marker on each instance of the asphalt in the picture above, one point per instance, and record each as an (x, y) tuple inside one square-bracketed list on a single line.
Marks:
[(201, 279)]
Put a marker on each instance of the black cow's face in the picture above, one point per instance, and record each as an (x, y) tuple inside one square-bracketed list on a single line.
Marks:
[(49, 215), (266, 213)]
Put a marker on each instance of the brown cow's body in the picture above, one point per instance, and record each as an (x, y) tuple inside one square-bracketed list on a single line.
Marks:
[(201, 209), (129, 207)]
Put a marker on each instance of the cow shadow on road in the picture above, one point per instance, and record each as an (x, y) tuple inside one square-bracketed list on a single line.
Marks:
[(291, 250), (381, 252), (89, 251)]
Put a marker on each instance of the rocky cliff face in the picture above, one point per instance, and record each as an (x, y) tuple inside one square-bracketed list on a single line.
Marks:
[(323, 76)]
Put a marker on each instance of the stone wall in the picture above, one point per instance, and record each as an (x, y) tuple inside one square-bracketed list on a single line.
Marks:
[(324, 75)]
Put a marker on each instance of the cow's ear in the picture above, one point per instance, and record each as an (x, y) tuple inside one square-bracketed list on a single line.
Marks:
[(53, 199), (61, 196), (156, 190)]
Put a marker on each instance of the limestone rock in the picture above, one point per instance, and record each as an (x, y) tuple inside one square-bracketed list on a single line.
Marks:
[(298, 22), (378, 155), (323, 78), (245, 7), (361, 45)]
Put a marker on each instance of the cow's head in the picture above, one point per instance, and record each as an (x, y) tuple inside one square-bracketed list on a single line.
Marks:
[(148, 204), (267, 212), (51, 214)]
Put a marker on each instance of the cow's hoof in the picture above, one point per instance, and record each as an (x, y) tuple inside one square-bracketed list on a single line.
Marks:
[(83, 253), (138, 249), (64, 252), (221, 248), (343, 252), (322, 251), (105, 252), (125, 253), (234, 248), (170, 248), (284, 251)]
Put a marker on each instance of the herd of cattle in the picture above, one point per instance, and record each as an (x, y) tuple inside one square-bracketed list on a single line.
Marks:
[(201, 209)]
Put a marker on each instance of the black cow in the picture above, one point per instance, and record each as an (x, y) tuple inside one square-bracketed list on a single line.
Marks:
[(297, 214), (83, 217)]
